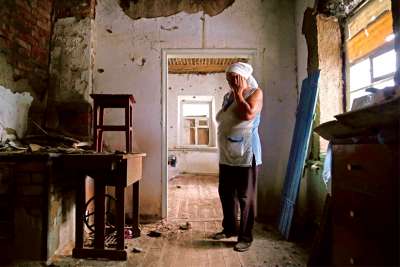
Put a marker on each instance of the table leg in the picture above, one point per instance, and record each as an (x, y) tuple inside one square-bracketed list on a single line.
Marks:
[(120, 220), (127, 131), (99, 199), (135, 206), (79, 210), (95, 114)]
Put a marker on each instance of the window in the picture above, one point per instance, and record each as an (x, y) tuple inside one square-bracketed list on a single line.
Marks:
[(196, 121), (371, 58), (376, 70)]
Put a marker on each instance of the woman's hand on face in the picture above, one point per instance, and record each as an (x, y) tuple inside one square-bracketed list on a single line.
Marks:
[(239, 84)]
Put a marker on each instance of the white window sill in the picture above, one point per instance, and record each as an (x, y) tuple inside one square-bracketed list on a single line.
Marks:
[(194, 148)]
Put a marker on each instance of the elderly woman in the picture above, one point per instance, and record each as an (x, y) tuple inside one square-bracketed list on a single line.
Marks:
[(240, 153)]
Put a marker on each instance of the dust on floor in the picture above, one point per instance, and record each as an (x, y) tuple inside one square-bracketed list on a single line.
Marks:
[(194, 215)]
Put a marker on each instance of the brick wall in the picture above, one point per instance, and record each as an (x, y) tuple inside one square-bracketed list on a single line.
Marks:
[(75, 8), (36, 209), (25, 31)]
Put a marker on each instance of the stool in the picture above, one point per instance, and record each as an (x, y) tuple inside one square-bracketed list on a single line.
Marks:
[(102, 101)]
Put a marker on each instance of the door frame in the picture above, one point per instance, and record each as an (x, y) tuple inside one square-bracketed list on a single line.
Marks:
[(168, 53)]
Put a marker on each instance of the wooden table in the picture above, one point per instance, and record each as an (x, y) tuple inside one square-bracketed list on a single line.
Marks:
[(118, 170)]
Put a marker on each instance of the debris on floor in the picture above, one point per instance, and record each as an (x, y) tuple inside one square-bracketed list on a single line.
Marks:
[(185, 226), (154, 233), (35, 147), (136, 250), (128, 234)]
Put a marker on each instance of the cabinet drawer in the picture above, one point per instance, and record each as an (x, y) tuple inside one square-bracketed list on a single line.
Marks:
[(365, 229), (349, 248), (363, 213), (352, 210), (369, 168)]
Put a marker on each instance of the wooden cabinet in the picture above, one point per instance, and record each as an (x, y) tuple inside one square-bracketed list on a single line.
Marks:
[(365, 204)]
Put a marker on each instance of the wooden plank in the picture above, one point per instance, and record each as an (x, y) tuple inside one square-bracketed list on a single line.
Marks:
[(169, 252), (199, 245), (134, 169), (183, 257), (231, 258), (144, 243), (154, 253), (99, 253), (214, 248), (249, 258), (135, 209), (371, 38)]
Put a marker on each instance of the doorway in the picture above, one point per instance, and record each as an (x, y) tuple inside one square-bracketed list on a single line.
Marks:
[(189, 104)]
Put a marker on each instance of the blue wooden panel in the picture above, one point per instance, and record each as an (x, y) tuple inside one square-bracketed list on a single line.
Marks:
[(298, 150)]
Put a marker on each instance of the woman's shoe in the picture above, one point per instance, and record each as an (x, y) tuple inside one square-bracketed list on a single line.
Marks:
[(242, 246), (222, 235)]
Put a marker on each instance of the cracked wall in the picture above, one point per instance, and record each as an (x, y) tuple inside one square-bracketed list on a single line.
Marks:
[(69, 107), (162, 8), (129, 54), (204, 161)]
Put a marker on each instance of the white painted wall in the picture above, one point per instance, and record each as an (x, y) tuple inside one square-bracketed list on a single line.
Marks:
[(131, 59), (203, 161)]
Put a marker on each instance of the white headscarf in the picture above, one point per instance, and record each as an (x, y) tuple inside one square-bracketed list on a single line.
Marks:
[(245, 70)]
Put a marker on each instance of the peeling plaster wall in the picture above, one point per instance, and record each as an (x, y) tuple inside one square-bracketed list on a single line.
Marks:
[(193, 160), (128, 60), (69, 108), (330, 63), (71, 59), (161, 8)]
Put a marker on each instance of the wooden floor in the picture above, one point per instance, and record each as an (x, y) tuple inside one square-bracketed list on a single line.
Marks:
[(194, 200)]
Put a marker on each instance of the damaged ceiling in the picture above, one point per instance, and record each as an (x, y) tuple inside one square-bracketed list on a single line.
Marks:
[(162, 8), (200, 65), (339, 8)]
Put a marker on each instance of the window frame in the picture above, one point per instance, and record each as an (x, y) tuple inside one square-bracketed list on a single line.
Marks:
[(211, 127), (376, 53)]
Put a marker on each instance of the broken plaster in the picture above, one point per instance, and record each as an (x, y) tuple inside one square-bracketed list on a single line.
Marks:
[(137, 9)]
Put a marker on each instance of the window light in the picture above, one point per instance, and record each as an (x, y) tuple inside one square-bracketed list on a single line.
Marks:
[(384, 64), (360, 75)]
